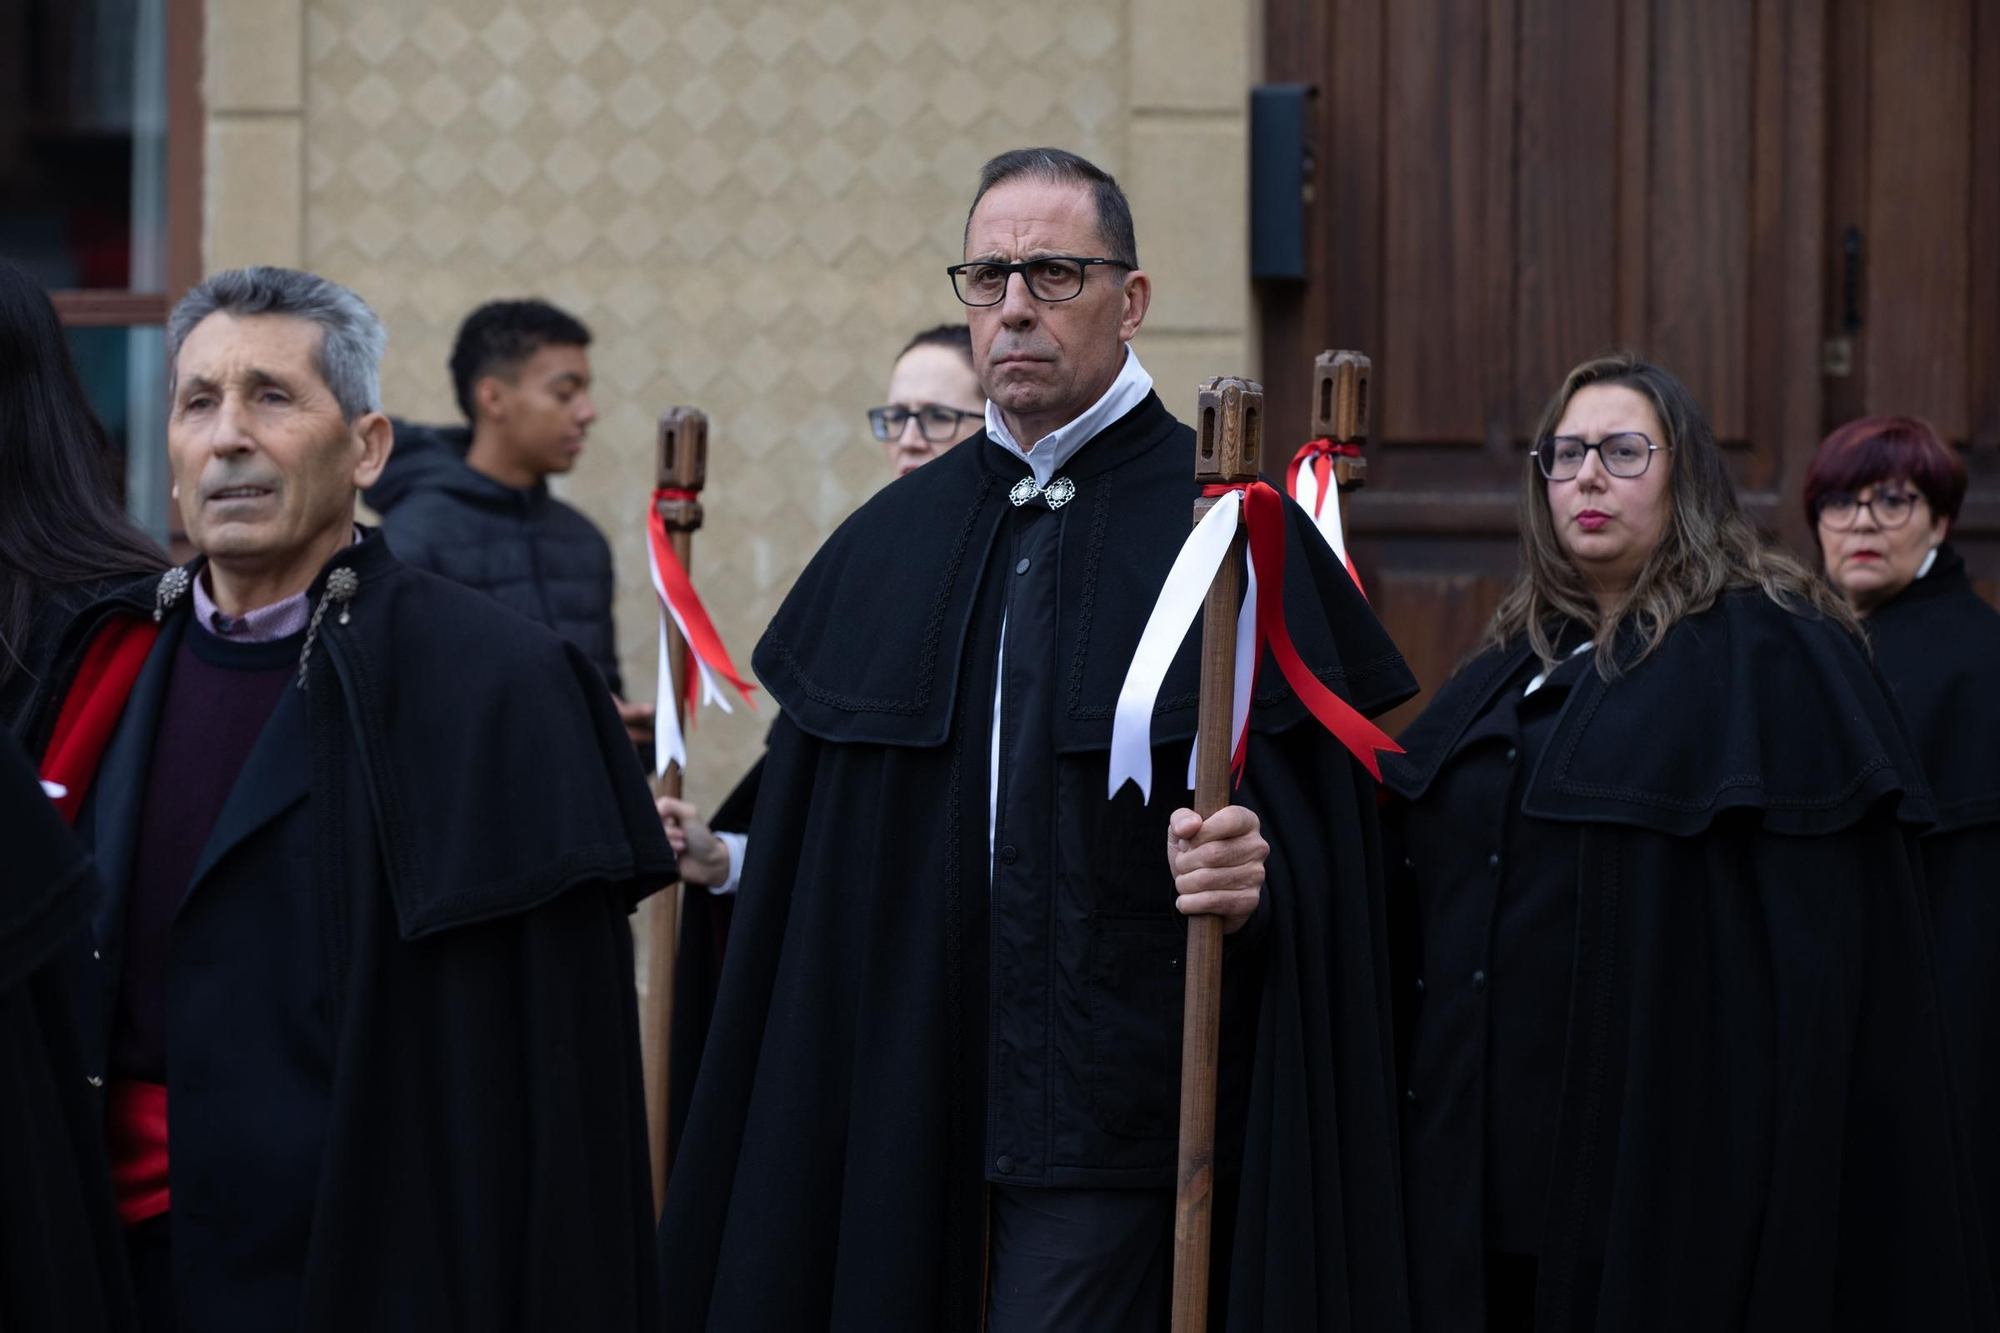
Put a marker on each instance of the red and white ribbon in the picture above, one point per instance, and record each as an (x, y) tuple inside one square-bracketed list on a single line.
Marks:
[(711, 660), (1309, 480), (1260, 624)]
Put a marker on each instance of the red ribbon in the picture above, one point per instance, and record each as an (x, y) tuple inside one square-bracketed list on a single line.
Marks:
[(1321, 452), (702, 639), (1264, 519), (91, 709)]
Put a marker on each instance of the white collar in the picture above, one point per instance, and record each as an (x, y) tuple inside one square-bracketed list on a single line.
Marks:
[(1929, 560), (1050, 453), (1542, 678)]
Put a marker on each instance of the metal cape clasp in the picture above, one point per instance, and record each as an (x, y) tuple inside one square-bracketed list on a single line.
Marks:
[(1058, 492)]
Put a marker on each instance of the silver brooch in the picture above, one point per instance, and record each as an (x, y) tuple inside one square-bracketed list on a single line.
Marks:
[(341, 585), (1058, 492), (173, 586)]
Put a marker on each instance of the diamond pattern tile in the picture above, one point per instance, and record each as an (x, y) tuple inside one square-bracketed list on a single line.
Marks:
[(751, 202)]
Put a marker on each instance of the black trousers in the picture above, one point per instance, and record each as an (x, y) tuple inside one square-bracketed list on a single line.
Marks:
[(149, 1248), (1080, 1261)]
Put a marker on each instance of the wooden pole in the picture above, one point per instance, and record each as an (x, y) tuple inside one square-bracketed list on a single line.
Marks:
[(1340, 413), (683, 466), (1229, 449)]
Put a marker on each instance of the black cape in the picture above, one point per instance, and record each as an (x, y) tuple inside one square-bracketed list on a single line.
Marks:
[(1938, 646), (485, 832), (830, 1175), (1756, 1126), (62, 1251)]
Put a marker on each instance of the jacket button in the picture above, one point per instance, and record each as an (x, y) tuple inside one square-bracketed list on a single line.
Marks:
[(1005, 1166), (1478, 981), (1009, 855), (1512, 754), (1420, 985), (1410, 1096), (94, 1081), (1493, 859), (98, 955), (1021, 566), (1409, 864)]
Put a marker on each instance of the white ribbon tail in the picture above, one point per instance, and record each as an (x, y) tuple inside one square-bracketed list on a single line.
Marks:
[(1328, 519), (1246, 663), (55, 791), (669, 745), (1179, 601)]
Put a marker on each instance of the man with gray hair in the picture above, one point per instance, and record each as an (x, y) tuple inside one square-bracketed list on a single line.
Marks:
[(941, 1089), (370, 843)]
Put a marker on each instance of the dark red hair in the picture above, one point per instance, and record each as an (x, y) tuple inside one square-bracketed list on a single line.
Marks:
[(1877, 449)]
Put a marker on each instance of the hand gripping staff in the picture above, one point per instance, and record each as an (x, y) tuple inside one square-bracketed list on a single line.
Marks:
[(685, 632)]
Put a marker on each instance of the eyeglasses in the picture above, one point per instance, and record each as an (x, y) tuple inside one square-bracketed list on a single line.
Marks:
[(937, 424), (1627, 454), (1891, 509), (1056, 278)]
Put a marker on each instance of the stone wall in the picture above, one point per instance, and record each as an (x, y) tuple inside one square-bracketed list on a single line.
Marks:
[(751, 205)]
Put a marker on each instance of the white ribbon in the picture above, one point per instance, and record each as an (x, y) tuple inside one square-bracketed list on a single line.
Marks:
[(1326, 520), (1173, 615), (55, 791), (669, 743)]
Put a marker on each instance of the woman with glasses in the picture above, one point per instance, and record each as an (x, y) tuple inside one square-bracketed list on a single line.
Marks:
[(934, 399), (1671, 1051), (1882, 495)]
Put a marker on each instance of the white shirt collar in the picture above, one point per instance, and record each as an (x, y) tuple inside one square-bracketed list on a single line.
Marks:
[(1048, 455)]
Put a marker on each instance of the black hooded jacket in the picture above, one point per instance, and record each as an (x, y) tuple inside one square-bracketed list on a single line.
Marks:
[(535, 555)]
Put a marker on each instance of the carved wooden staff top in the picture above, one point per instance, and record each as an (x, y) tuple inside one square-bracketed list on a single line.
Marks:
[(1229, 447), (1340, 413)]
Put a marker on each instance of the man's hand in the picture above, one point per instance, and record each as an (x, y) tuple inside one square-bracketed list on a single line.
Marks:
[(638, 720), (704, 857), (1218, 864)]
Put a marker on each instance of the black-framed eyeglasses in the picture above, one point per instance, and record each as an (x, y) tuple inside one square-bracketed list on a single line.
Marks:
[(1891, 509), (937, 423), (1627, 454), (1053, 278)]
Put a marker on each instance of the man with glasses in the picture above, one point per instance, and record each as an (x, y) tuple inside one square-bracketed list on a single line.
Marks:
[(942, 1090)]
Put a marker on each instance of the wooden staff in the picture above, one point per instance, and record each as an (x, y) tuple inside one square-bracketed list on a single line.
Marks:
[(683, 467), (1229, 450), (1340, 414)]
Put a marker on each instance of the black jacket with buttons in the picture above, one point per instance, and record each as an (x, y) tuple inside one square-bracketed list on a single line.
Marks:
[(529, 551)]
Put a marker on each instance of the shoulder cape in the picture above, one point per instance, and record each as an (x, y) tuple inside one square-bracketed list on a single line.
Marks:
[(505, 696), (1746, 707), (1938, 646), (870, 642)]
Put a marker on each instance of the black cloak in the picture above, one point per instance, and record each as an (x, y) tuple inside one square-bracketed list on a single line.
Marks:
[(62, 1251), (483, 832), (1756, 1129), (831, 1173), (1938, 646)]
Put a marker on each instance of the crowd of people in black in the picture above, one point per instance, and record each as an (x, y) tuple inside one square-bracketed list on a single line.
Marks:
[(1654, 987)]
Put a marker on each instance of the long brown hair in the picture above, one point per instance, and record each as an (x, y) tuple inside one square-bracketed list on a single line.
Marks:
[(1707, 548)]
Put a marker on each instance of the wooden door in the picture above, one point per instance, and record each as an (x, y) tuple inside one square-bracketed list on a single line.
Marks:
[(1504, 187)]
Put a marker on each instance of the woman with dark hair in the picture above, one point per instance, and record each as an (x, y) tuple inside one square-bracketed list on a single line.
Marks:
[(1881, 495), (63, 537), (1672, 1050)]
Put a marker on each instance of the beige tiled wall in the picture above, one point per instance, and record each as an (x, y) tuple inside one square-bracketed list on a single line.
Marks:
[(750, 204)]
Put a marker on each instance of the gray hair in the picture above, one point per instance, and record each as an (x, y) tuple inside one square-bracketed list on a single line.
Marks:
[(1061, 167), (351, 342)]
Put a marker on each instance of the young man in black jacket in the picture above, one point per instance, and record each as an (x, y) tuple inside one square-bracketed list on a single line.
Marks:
[(472, 502)]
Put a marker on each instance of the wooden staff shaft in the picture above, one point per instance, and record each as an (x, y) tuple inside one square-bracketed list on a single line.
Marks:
[(683, 466), (1228, 450)]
